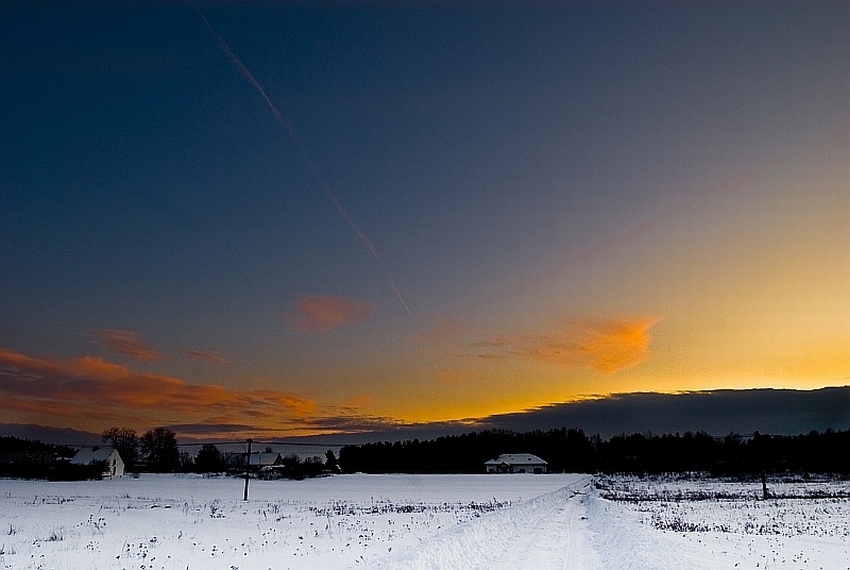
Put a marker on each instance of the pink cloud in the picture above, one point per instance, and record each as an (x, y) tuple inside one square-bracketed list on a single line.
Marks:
[(127, 343), (323, 314)]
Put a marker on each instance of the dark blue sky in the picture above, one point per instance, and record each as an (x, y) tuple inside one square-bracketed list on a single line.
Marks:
[(543, 184)]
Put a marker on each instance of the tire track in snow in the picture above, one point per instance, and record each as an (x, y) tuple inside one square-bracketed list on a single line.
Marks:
[(555, 537), (545, 533), (579, 553)]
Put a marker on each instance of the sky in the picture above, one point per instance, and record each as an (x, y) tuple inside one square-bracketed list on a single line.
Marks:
[(305, 218)]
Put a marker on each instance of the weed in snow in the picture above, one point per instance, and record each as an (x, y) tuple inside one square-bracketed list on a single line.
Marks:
[(56, 535), (796, 508), (215, 510)]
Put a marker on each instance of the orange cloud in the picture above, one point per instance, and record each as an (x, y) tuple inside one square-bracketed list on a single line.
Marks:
[(211, 356), (324, 314), (606, 346), (92, 387), (127, 343)]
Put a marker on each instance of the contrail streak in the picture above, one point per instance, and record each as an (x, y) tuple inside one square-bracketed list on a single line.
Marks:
[(290, 129), (247, 73), (323, 185)]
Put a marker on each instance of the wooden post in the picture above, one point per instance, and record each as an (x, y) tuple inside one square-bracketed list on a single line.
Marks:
[(247, 470), (765, 494)]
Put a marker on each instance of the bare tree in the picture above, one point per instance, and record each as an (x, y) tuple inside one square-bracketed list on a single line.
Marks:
[(126, 442), (159, 448)]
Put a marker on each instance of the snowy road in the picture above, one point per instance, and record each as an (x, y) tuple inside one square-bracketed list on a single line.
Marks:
[(571, 528), (556, 537), (547, 532)]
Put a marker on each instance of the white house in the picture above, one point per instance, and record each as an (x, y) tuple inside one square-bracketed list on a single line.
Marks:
[(113, 464), (516, 463)]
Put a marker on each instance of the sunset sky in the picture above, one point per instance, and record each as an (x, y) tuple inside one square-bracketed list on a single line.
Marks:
[(293, 218)]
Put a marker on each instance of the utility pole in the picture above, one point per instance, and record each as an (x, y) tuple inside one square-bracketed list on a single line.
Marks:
[(247, 470)]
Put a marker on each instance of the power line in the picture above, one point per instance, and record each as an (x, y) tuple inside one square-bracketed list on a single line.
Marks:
[(264, 442)]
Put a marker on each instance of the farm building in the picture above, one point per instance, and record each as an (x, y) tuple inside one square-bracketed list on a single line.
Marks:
[(113, 464), (257, 459), (516, 463)]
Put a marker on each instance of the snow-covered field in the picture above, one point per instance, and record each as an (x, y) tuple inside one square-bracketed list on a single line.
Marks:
[(805, 523), (409, 521)]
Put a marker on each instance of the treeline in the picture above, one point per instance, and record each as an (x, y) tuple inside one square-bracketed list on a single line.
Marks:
[(571, 450), (565, 450), (11, 444), (29, 458), (827, 452), (155, 451)]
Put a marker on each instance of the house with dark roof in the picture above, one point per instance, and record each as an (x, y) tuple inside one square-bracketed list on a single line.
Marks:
[(516, 463), (257, 460)]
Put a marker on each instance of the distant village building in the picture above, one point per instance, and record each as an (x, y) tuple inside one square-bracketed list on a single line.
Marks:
[(516, 463), (258, 460), (113, 464)]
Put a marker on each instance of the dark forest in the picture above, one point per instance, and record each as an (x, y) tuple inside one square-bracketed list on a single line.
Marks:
[(571, 450)]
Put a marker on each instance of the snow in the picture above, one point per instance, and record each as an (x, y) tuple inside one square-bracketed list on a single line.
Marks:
[(717, 523), (422, 522)]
